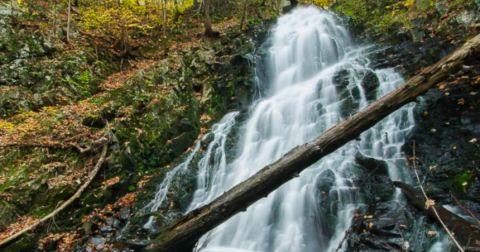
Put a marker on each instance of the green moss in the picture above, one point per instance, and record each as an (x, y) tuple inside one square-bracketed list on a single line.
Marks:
[(462, 181), (26, 244)]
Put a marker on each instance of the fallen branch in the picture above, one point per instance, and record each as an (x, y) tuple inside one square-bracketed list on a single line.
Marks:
[(182, 235), (64, 205)]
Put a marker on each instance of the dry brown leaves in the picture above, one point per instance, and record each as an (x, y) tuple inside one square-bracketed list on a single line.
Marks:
[(22, 223), (6, 196), (111, 182), (115, 81), (142, 182), (51, 127), (68, 180), (63, 241), (126, 201), (227, 24)]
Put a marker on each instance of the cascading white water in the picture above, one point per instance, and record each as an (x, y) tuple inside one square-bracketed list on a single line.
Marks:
[(216, 149), (309, 47)]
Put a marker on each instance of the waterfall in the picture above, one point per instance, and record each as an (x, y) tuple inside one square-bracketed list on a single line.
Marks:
[(318, 77)]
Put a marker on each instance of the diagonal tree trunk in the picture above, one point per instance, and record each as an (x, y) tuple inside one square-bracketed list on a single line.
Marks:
[(182, 235)]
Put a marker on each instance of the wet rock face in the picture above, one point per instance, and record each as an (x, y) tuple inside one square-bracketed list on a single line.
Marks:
[(381, 228), (446, 135), (350, 93), (370, 84)]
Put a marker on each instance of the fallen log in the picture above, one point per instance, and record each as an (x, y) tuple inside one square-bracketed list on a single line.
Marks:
[(183, 234), (466, 232)]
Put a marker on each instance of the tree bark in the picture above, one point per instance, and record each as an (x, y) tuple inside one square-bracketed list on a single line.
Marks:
[(165, 42), (187, 230), (68, 19), (244, 14), (209, 32), (466, 232)]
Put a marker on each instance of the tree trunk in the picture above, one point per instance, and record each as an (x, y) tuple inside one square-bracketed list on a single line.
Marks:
[(68, 19), (165, 46), (466, 232), (176, 14), (209, 32), (181, 235), (244, 14)]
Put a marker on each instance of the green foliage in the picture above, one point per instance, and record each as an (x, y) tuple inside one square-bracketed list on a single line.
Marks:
[(387, 15), (463, 180), (130, 20)]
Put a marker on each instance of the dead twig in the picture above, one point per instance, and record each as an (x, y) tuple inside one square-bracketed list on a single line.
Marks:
[(464, 208)]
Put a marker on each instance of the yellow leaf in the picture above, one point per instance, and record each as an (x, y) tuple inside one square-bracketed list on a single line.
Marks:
[(409, 3), (431, 233), (442, 86), (370, 225)]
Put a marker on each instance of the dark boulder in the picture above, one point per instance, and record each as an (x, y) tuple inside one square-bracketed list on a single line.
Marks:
[(371, 164), (370, 84)]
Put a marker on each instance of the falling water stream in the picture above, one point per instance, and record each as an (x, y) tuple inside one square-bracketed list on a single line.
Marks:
[(308, 48)]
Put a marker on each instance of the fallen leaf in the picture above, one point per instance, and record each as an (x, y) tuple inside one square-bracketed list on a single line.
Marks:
[(370, 225)]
